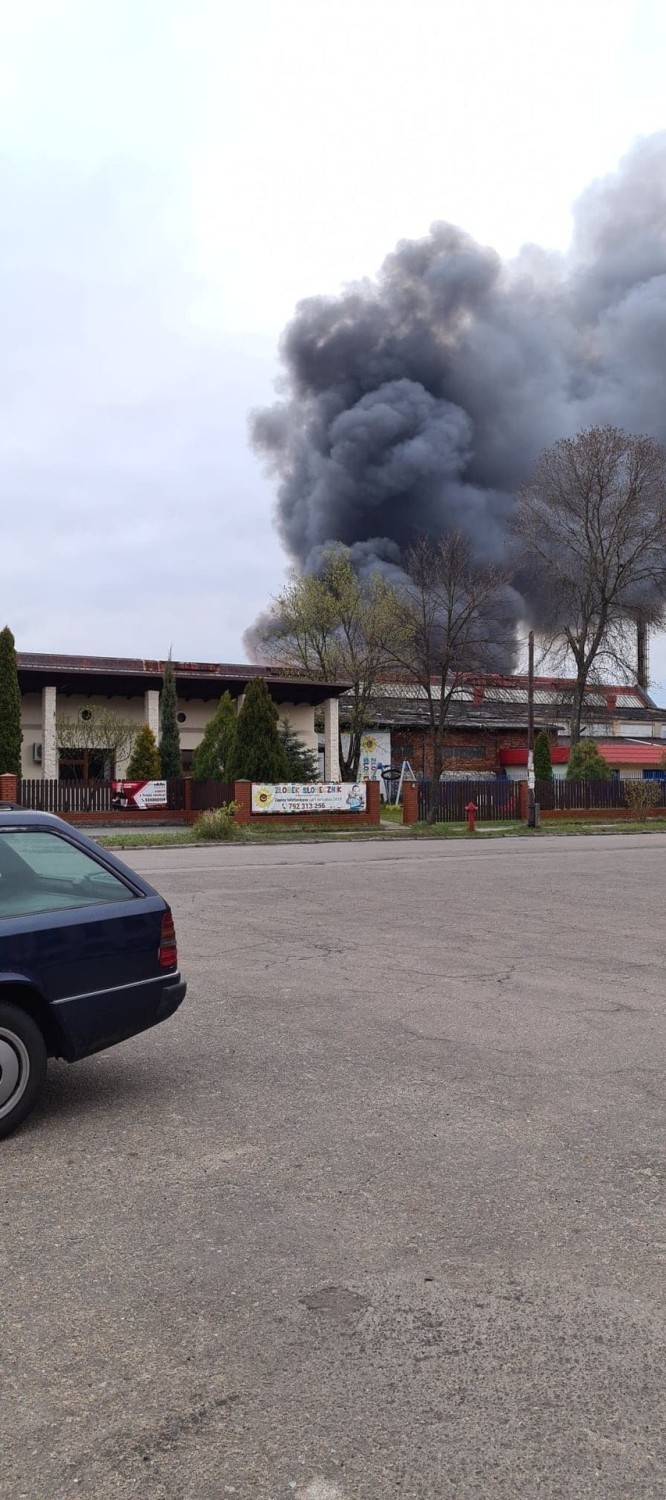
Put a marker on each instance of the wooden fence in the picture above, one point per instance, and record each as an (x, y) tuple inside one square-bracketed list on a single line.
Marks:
[(96, 796), (65, 796), (495, 801), (210, 793), (560, 795), (498, 801)]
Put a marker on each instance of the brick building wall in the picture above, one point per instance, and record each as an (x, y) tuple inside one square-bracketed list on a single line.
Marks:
[(472, 750)]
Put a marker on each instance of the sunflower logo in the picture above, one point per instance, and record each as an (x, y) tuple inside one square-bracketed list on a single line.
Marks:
[(368, 744), (264, 797)]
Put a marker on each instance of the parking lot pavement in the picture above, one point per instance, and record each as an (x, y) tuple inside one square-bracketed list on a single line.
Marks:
[(376, 1214)]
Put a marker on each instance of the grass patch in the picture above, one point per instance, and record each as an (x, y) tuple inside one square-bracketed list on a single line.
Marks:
[(460, 830), (390, 814), (216, 825), (548, 829), (579, 825), (272, 834), (277, 833), (142, 840), (305, 833)]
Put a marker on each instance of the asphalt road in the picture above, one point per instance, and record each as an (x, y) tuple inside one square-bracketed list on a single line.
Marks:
[(376, 1214)]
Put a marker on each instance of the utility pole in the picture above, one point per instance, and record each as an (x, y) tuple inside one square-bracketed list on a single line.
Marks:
[(531, 806), (642, 671)]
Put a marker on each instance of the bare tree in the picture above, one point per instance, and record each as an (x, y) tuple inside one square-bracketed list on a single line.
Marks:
[(96, 728), (591, 527), (453, 621), (335, 627)]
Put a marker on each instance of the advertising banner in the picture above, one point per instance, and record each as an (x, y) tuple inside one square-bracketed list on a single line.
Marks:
[(375, 755), (294, 797), (143, 794)]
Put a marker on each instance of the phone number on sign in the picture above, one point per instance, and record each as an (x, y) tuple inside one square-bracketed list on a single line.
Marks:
[(318, 797)]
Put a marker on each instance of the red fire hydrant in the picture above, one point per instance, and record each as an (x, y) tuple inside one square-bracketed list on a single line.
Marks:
[(471, 814)]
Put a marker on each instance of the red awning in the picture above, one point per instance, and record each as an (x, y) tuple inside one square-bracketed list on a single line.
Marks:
[(559, 755)]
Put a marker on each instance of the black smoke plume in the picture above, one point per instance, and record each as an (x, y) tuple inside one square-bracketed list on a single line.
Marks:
[(418, 403)]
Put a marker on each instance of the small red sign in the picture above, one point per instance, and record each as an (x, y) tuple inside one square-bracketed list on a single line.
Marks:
[(138, 794)]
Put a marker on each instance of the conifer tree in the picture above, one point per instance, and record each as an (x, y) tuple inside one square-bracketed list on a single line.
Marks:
[(301, 763), (170, 761), (586, 764), (144, 763), (10, 708), (211, 757), (543, 765), (257, 753)]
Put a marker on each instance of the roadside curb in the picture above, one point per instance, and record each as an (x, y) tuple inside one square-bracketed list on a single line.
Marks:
[(587, 830)]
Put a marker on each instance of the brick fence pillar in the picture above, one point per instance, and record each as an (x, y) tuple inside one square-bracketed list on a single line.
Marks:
[(243, 800), (410, 802), (373, 801), (523, 801), (8, 788)]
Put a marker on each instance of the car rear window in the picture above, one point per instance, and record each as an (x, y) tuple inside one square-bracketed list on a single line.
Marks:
[(41, 871)]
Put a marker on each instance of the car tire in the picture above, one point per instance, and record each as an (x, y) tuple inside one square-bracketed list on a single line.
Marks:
[(22, 1066)]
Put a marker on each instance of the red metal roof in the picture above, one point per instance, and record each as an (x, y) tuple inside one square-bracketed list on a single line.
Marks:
[(617, 752), (628, 753), (131, 675), (559, 684), (31, 661), (557, 690)]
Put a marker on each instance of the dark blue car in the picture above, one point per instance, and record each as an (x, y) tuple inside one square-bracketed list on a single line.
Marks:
[(87, 954)]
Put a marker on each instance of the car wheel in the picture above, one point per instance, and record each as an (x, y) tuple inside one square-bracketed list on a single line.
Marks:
[(22, 1066)]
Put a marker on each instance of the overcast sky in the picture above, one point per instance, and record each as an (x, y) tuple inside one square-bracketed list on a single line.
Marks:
[(176, 175)]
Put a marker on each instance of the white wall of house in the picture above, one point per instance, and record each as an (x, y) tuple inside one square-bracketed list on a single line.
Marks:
[(133, 709), (198, 714), (639, 731), (301, 716), (141, 709), (31, 724), (70, 706), (626, 773)]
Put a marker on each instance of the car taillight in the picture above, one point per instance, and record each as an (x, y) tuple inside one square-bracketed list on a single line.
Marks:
[(168, 951)]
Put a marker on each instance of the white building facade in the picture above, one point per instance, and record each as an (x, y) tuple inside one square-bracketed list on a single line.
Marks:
[(80, 689)]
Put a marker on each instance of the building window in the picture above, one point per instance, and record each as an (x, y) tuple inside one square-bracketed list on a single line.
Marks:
[(86, 765), (464, 752)]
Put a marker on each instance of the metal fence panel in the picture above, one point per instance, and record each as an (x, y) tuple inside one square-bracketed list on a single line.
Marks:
[(65, 796), (96, 796), (495, 801), (424, 789), (211, 793), (560, 795), (175, 795)]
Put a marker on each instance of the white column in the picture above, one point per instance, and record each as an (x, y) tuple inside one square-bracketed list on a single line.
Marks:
[(49, 736), (152, 711), (331, 743)]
